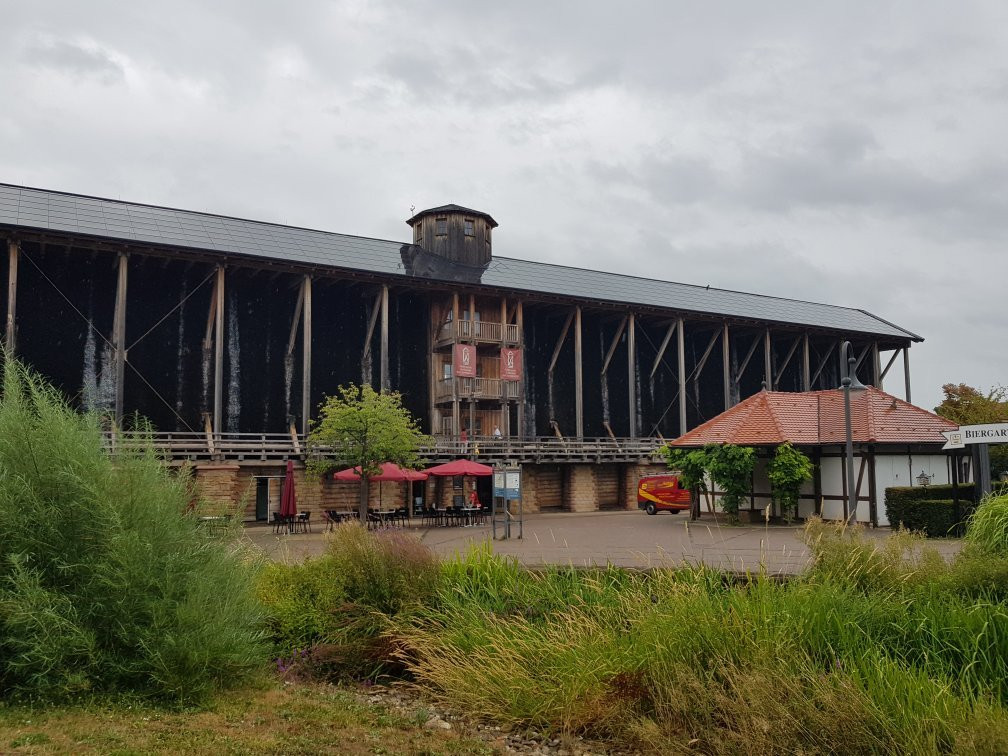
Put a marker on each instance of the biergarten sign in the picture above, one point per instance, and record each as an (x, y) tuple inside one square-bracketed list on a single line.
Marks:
[(967, 435)]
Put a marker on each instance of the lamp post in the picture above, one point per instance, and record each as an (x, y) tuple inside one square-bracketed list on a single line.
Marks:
[(849, 382)]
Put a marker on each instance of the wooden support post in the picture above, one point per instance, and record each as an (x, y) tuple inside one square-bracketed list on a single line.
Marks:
[(681, 355), (218, 413), (556, 356), (119, 335), (703, 359), (806, 372), (296, 320), (906, 372), (578, 376), (433, 365), (372, 322), (632, 371), (726, 365), (768, 360), (876, 366), (505, 414), (306, 354), (472, 320), (384, 371), (520, 322), (13, 256), (823, 364)]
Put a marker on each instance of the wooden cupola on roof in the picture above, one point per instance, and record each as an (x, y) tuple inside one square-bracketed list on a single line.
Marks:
[(455, 233)]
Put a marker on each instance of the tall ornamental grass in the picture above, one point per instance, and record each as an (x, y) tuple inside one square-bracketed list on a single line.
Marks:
[(881, 648), (987, 530), (107, 586)]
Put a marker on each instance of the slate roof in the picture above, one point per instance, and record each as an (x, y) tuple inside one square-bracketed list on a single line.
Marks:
[(816, 418), (452, 208), (37, 209)]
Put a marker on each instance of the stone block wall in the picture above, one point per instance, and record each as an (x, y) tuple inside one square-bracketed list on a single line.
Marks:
[(580, 491)]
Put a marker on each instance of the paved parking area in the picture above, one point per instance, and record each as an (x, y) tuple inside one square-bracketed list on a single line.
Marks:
[(626, 539)]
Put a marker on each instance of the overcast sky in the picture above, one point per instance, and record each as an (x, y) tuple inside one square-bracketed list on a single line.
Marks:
[(854, 155)]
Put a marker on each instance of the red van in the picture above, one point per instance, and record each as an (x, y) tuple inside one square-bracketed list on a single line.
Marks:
[(662, 493)]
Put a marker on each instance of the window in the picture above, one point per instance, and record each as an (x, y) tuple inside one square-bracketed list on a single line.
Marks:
[(417, 233), (441, 227), (469, 227), (446, 370)]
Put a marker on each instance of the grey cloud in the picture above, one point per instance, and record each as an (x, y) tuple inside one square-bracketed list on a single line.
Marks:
[(75, 58)]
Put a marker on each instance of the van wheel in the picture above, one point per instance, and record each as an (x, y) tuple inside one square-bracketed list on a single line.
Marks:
[(650, 508)]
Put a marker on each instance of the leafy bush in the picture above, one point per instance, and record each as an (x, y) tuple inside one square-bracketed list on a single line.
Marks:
[(106, 585), (788, 470), (731, 468), (931, 509), (988, 527)]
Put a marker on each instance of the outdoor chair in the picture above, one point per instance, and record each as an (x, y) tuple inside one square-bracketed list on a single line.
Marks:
[(279, 522), (303, 522)]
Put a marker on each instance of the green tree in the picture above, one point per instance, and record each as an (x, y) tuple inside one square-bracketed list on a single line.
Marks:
[(966, 405), (969, 406), (362, 428), (787, 471), (731, 468), (691, 464)]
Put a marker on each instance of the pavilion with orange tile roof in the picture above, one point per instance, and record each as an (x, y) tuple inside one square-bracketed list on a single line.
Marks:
[(893, 440)]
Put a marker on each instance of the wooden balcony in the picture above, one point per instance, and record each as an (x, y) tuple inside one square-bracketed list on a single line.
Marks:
[(476, 388), (480, 331)]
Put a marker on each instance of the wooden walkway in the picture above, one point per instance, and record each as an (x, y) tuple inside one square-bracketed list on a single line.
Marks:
[(272, 448)]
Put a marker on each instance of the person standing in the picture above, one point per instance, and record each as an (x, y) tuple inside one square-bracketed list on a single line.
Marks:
[(497, 433), (464, 438)]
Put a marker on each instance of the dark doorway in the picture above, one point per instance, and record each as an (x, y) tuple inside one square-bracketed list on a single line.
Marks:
[(262, 499)]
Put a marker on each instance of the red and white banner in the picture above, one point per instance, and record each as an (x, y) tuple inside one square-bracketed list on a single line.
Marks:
[(465, 361), (511, 364)]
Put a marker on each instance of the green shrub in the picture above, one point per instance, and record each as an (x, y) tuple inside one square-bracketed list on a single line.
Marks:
[(988, 527), (930, 509), (936, 518), (106, 585)]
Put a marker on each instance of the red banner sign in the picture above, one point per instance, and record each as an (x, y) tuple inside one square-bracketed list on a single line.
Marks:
[(465, 361), (511, 364)]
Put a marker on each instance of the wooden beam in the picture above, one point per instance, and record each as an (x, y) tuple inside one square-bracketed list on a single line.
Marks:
[(632, 371), (119, 335), (745, 362), (906, 372), (896, 353), (681, 356), (578, 376), (306, 354), (296, 319), (787, 361), (560, 343), (520, 322), (767, 359), (219, 351), (661, 350), (876, 366), (822, 365), (375, 312), (726, 379), (703, 359), (384, 378), (13, 256), (806, 373), (612, 346), (860, 359)]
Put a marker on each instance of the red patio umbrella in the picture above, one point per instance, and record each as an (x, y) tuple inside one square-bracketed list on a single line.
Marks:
[(389, 471), (460, 467), (288, 502)]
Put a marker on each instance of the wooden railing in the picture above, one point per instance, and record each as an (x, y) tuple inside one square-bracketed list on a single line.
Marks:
[(275, 448), (477, 388), (481, 330)]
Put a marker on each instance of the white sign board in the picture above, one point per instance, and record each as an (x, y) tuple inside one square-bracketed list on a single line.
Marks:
[(966, 435)]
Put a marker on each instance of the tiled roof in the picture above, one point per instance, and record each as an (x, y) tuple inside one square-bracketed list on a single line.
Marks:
[(816, 418)]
